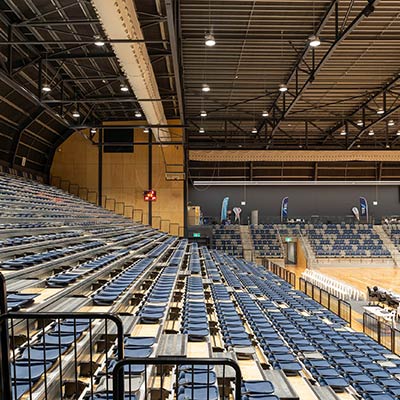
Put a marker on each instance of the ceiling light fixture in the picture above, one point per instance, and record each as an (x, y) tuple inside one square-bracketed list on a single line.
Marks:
[(201, 130), (203, 113), (124, 88), (138, 114), (283, 88), (46, 88), (93, 130), (391, 122), (360, 123), (98, 42), (210, 40), (265, 113), (205, 87), (371, 132), (76, 114), (388, 146), (343, 132), (398, 133), (146, 130), (254, 130), (314, 41), (380, 111)]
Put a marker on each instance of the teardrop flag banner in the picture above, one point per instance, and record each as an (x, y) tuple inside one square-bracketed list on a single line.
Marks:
[(224, 209), (284, 208)]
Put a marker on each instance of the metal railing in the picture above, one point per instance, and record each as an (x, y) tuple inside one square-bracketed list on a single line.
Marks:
[(169, 369), (54, 364), (340, 307), (282, 272), (382, 332)]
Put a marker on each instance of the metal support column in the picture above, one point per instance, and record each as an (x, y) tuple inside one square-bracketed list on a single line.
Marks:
[(185, 182), (100, 169), (150, 172), (5, 376)]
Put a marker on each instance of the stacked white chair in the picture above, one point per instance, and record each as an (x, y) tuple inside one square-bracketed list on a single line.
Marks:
[(333, 286)]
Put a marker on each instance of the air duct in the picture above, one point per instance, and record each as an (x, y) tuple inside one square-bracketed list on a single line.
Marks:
[(120, 21)]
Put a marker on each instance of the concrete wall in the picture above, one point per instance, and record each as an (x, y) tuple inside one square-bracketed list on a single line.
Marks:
[(303, 200)]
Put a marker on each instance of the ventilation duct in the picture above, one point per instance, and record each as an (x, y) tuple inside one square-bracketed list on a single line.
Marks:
[(120, 21)]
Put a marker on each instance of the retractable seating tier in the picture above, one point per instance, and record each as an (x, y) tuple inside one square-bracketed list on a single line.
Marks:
[(345, 240), (227, 238), (266, 241)]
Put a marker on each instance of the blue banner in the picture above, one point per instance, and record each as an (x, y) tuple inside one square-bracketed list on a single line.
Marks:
[(363, 208), (284, 208), (224, 209)]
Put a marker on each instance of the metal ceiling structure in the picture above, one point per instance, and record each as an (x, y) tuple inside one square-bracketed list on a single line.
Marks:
[(350, 83), (53, 42), (340, 85)]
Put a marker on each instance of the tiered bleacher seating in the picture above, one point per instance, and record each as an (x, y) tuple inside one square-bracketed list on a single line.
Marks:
[(226, 238), (212, 304), (393, 231), (345, 240), (266, 241)]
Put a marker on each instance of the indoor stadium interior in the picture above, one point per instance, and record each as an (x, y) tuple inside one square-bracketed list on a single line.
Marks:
[(200, 199)]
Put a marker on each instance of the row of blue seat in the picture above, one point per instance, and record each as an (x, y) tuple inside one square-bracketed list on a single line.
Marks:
[(69, 276), (38, 258)]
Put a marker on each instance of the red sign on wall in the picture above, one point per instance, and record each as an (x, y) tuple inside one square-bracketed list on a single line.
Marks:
[(150, 195)]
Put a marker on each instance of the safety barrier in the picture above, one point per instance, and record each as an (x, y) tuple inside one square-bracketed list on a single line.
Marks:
[(340, 307), (282, 272), (171, 369), (53, 355), (382, 332)]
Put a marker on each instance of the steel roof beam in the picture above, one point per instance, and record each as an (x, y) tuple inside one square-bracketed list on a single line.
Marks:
[(364, 105), (74, 42), (372, 124), (21, 129), (341, 36), (305, 51), (56, 22), (172, 32)]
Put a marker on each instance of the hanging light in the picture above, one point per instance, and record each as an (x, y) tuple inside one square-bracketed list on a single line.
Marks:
[(360, 123), (388, 146), (371, 132), (98, 42), (380, 111), (201, 130), (138, 114), (210, 40), (391, 122), (203, 113), (398, 132), (46, 88), (76, 114), (146, 130), (265, 113), (205, 87), (254, 130), (93, 130), (124, 88), (283, 88), (343, 132), (314, 41)]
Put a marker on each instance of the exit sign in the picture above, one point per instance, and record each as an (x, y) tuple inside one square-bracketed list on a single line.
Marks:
[(196, 234)]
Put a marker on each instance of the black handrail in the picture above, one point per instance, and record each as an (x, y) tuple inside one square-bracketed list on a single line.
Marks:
[(118, 372), (5, 361)]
